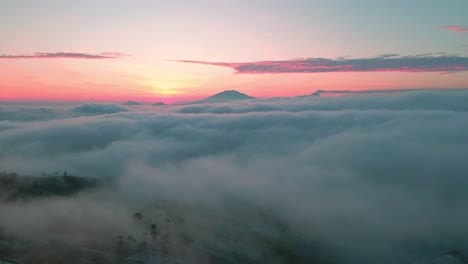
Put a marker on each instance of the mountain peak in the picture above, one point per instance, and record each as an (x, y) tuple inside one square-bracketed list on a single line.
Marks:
[(227, 95), (317, 93)]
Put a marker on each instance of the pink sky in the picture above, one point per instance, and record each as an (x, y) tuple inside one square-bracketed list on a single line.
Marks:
[(86, 80), (89, 51), (124, 79)]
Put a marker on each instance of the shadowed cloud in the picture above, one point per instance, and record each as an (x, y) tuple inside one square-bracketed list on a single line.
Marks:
[(384, 63), (65, 55), (456, 28)]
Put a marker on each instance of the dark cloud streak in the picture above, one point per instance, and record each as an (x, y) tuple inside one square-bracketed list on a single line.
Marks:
[(65, 55), (384, 63)]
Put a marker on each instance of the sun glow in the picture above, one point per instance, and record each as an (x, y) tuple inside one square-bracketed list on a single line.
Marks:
[(164, 87)]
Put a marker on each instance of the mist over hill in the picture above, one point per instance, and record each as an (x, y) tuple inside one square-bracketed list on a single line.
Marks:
[(130, 102), (15, 187)]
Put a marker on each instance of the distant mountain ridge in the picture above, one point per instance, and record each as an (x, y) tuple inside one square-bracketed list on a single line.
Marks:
[(226, 96), (130, 102)]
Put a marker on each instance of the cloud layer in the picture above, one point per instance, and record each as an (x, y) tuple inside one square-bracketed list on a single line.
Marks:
[(384, 63), (65, 55), (365, 179)]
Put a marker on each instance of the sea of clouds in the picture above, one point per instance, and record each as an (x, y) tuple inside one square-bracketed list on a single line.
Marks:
[(351, 179)]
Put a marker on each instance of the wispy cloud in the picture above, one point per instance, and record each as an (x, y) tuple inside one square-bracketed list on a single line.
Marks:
[(65, 55), (384, 63), (456, 28)]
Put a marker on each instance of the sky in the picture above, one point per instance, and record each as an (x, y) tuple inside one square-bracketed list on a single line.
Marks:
[(172, 51)]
